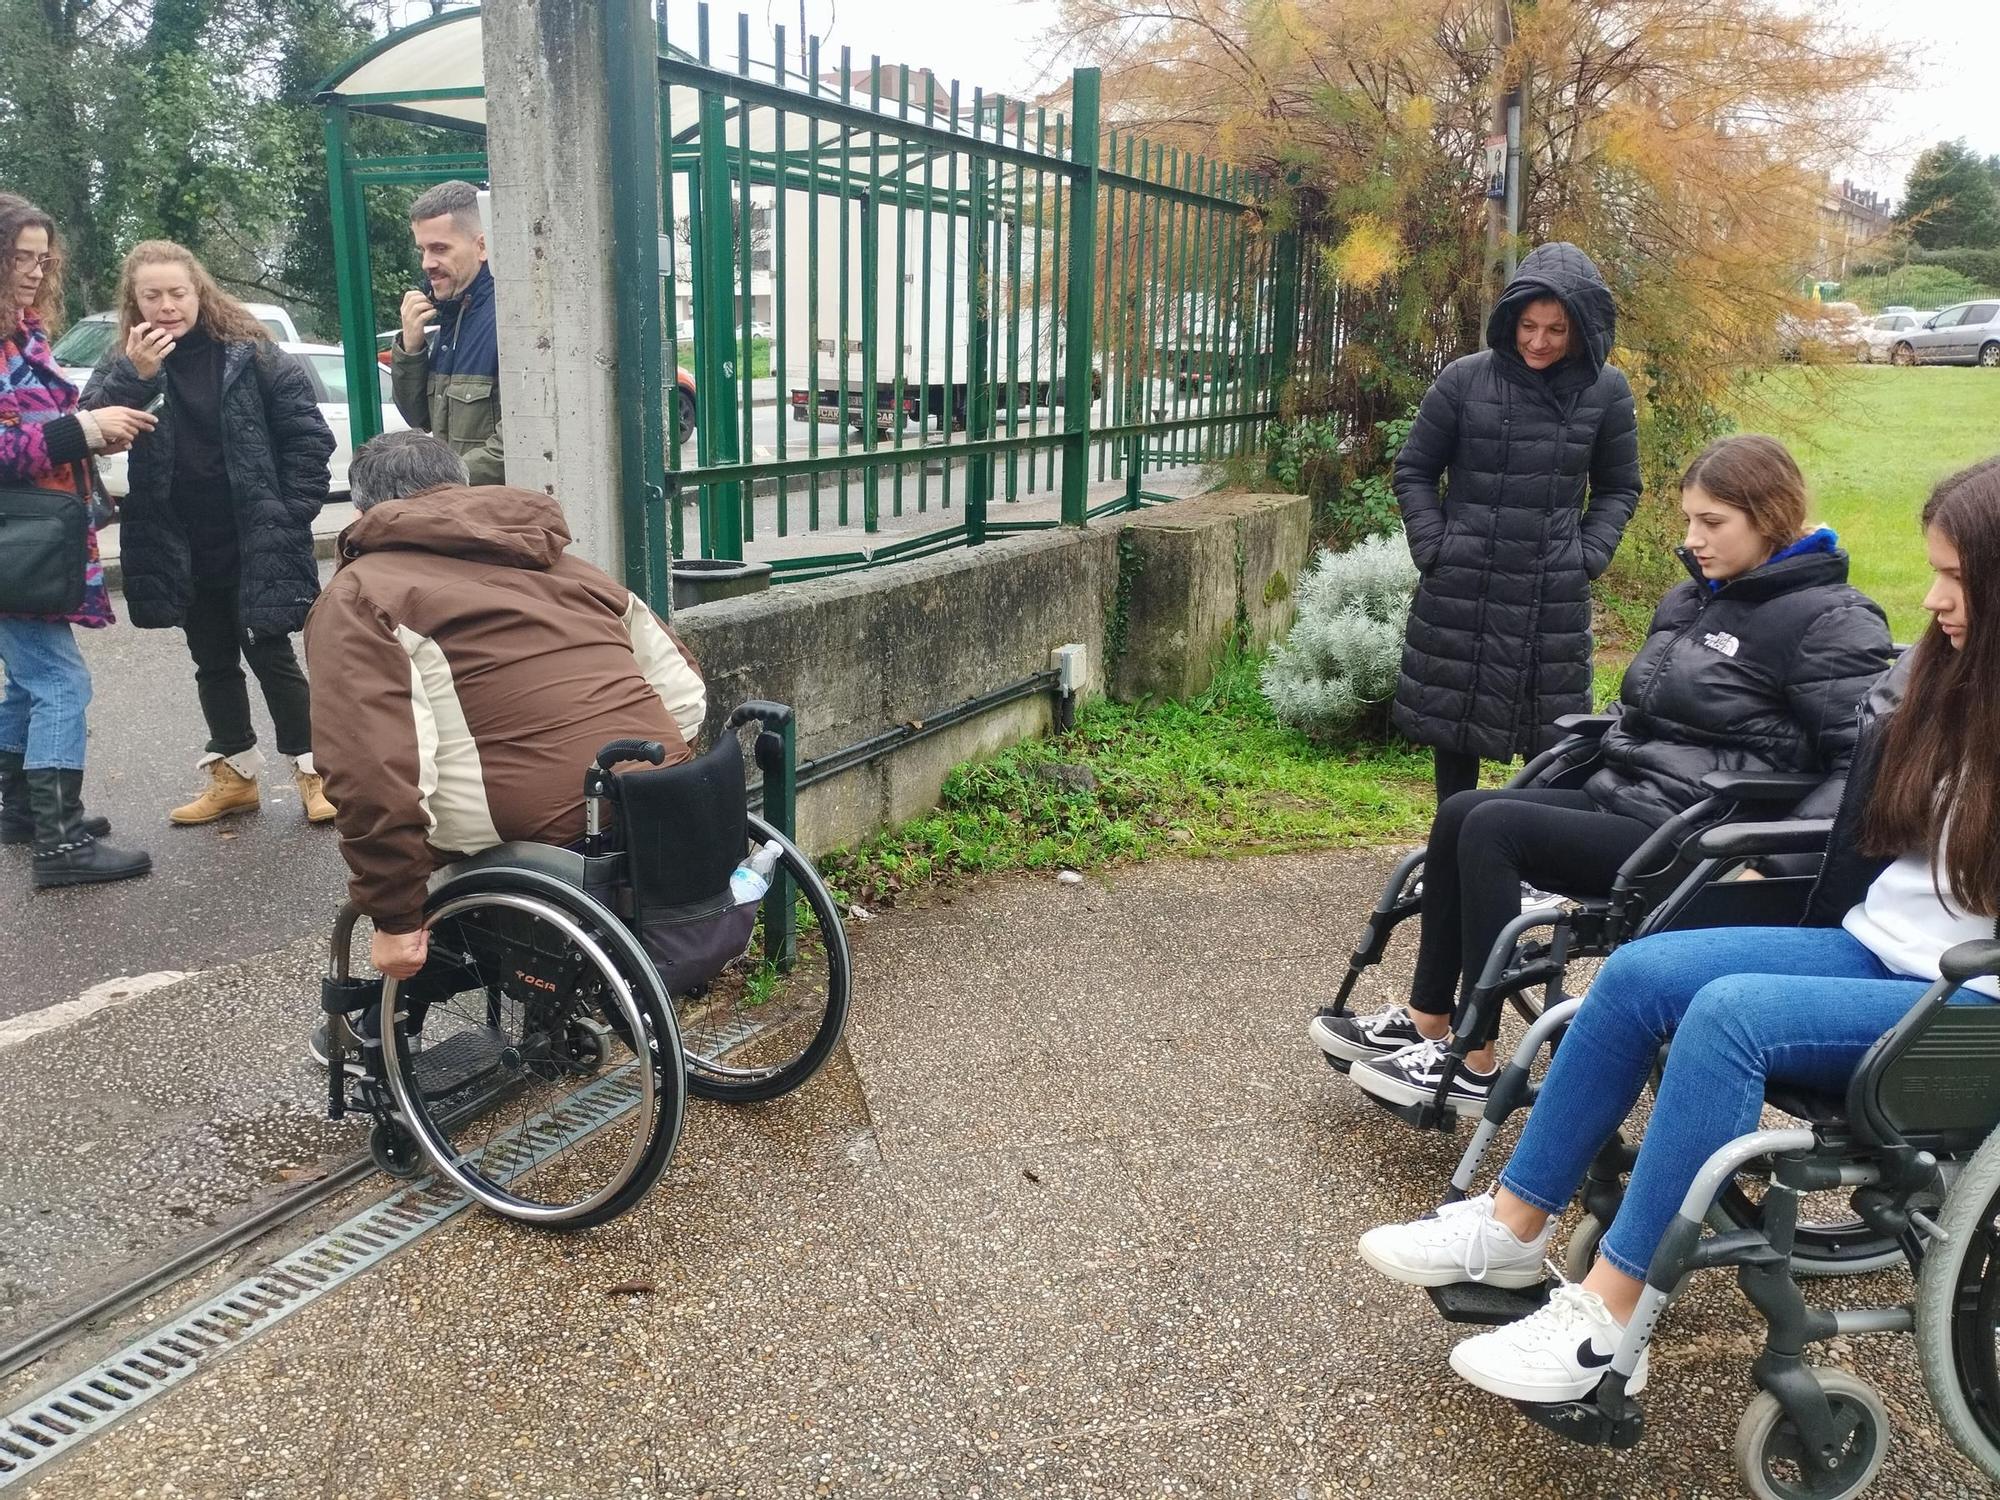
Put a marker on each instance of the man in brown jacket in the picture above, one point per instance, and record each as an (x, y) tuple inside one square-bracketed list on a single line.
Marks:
[(470, 670)]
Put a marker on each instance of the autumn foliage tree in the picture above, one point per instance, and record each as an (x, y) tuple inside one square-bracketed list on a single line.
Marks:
[(1685, 144)]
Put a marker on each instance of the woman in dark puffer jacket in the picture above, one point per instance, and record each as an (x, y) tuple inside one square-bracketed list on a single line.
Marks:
[(1758, 663), (216, 533), (1522, 434)]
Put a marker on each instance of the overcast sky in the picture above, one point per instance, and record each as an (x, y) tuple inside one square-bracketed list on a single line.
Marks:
[(997, 45)]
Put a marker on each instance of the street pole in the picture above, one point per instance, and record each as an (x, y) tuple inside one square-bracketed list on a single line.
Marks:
[(1505, 102)]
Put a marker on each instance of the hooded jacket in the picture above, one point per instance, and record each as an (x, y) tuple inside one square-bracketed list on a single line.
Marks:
[(451, 389), (1515, 487), (469, 671), (1766, 672), (275, 447)]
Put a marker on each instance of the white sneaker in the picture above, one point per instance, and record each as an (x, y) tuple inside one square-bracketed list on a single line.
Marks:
[(1463, 1243), (1558, 1354)]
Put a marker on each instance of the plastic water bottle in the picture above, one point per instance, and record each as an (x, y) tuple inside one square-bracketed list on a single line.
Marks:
[(752, 878)]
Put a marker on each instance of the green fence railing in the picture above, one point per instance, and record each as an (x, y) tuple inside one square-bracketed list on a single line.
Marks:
[(902, 303)]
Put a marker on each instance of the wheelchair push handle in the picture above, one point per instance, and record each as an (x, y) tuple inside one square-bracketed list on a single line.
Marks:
[(619, 751), (770, 715)]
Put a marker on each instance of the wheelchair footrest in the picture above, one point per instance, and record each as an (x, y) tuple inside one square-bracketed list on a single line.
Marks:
[(1477, 1302), (1426, 1116), (1620, 1425), (461, 1059)]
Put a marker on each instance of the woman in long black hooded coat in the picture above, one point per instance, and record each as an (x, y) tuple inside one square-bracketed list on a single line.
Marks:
[(1515, 486)]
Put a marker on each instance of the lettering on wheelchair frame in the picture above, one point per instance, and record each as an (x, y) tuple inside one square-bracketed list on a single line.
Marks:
[(548, 985), (1721, 640)]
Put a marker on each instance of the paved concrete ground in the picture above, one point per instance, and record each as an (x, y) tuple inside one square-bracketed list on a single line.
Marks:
[(1072, 1214)]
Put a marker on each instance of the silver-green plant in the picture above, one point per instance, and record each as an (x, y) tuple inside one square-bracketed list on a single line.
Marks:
[(1336, 671)]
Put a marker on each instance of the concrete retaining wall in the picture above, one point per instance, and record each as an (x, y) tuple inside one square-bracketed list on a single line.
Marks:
[(862, 653)]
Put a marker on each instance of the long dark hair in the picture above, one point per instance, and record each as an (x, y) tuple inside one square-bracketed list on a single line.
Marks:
[(1941, 756), (17, 214)]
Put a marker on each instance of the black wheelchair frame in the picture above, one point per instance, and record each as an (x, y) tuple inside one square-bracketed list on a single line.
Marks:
[(1650, 894), (575, 1010)]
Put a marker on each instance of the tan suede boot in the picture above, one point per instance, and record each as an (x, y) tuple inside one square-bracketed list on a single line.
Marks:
[(312, 792), (228, 791)]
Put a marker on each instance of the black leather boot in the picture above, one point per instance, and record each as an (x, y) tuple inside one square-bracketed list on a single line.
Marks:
[(17, 822), (64, 853)]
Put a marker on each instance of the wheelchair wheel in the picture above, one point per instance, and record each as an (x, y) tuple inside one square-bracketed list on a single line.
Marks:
[(1958, 1312), (1772, 1457), (771, 1020), (533, 1057)]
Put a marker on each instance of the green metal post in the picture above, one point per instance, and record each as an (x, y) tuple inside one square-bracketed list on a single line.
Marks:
[(781, 811), (722, 535), (631, 76), (353, 280), (1077, 332), (1284, 315), (978, 377)]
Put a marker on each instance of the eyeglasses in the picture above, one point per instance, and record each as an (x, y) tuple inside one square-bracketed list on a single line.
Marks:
[(29, 259)]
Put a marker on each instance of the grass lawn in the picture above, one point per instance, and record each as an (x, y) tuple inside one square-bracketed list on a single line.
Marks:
[(1219, 775), (1872, 440)]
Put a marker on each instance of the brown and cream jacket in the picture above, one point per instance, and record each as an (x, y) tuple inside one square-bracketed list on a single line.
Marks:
[(465, 672)]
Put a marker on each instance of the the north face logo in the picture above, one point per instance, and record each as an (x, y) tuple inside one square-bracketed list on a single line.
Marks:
[(1721, 640)]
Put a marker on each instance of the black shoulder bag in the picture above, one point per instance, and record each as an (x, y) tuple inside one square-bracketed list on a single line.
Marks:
[(44, 548)]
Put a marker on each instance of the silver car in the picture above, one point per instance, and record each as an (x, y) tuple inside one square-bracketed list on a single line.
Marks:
[(1967, 333), (1883, 332)]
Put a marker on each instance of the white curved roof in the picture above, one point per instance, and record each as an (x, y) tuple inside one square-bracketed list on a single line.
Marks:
[(441, 53)]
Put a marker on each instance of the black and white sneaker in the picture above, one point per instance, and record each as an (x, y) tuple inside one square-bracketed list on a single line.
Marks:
[(1411, 1077), (1533, 898), (1358, 1038)]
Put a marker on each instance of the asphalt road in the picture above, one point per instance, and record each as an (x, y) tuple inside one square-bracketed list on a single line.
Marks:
[(217, 894)]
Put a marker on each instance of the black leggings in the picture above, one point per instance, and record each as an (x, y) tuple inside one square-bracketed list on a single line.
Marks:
[(1454, 771), (1483, 845)]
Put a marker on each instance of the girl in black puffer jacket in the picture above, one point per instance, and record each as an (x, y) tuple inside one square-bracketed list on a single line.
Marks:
[(1758, 663)]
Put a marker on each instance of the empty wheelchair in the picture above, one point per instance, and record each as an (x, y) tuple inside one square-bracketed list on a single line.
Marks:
[(1525, 958), (1924, 1099), (572, 998)]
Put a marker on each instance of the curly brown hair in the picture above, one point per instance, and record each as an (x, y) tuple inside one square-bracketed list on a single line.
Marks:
[(17, 214), (222, 317)]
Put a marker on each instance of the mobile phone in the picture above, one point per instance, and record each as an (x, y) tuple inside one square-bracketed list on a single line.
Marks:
[(157, 405)]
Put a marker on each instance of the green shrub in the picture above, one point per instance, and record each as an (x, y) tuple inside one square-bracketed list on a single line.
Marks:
[(1349, 481), (1336, 671)]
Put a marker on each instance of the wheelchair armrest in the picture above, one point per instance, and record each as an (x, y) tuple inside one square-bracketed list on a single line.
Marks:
[(1785, 787), (1586, 726), (1964, 962), (771, 715), (1748, 840)]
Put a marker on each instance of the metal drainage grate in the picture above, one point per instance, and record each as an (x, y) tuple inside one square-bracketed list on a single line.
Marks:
[(80, 1408)]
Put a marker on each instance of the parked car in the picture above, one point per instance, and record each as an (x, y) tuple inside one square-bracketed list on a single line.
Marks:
[(328, 368), (1831, 328), (1967, 333), (1881, 333), (79, 350)]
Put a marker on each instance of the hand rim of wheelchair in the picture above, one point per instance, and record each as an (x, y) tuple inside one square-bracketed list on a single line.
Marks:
[(652, 1148), (1956, 1332), (710, 1079)]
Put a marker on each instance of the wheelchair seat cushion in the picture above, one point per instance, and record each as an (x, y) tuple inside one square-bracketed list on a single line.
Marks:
[(1819, 1110)]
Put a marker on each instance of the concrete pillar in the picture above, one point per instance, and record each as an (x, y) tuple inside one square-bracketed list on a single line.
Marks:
[(547, 132)]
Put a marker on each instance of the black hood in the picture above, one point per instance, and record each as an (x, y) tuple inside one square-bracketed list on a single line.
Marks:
[(1562, 271)]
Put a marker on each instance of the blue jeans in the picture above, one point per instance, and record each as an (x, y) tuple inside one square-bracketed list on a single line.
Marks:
[(1742, 1004), (48, 689)]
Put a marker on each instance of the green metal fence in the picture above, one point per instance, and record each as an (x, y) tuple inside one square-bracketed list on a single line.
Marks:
[(974, 303), (914, 315)]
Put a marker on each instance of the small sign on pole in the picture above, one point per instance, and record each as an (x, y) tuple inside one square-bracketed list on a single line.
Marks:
[(1496, 166)]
